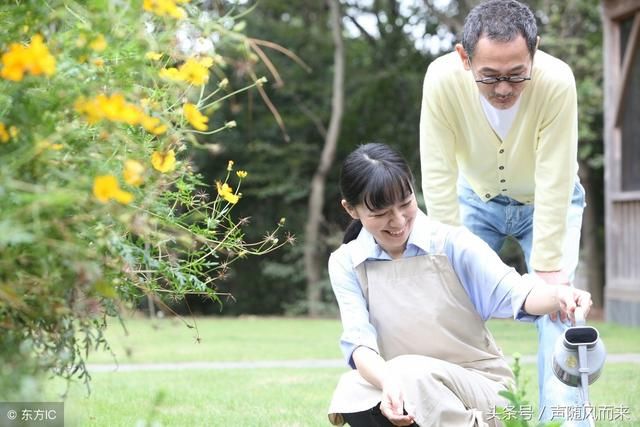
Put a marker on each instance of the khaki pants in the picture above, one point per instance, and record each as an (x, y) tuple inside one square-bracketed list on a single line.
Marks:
[(438, 393)]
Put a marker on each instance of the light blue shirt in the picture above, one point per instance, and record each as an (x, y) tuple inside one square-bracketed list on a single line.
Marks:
[(495, 290)]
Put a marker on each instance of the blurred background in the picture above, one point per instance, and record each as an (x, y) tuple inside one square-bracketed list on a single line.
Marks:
[(384, 49)]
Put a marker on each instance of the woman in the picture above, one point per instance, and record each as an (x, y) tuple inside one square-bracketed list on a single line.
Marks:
[(414, 296)]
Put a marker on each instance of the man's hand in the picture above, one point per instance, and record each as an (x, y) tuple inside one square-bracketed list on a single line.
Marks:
[(555, 278)]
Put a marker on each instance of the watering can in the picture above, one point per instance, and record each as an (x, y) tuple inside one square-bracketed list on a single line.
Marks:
[(579, 355)]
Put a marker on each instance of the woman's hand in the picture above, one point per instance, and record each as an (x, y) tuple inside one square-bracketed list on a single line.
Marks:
[(375, 370), (392, 404), (569, 298)]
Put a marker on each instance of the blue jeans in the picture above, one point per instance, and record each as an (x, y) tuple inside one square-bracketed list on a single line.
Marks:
[(503, 216)]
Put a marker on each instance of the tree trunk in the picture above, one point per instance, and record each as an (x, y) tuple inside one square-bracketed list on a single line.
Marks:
[(592, 264), (313, 262)]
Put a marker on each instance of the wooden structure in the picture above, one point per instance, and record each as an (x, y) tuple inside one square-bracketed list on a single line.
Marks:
[(621, 21)]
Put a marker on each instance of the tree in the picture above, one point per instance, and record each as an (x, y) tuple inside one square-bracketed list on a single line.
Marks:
[(384, 68), (382, 79), (313, 263)]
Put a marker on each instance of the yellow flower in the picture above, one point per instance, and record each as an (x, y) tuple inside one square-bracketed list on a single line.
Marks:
[(7, 134), (98, 62), (197, 119), (42, 61), (46, 145), (163, 162), (153, 56), (132, 173), (226, 192), (98, 44), (4, 134), (153, 125), (33, 58), (171, 74), (14, 62), (117, 109), (113, 108), (165, 8), (242, 174), (195, 72), (105, 188), (206, 61), (230, 165), (192, 71)]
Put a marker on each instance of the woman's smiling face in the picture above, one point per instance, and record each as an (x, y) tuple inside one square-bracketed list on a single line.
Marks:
[(390, 226)]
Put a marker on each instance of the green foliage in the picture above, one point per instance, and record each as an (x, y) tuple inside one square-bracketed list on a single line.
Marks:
[(572, 31), (101, 204), (519, 411), (382, 103), (383, 80)]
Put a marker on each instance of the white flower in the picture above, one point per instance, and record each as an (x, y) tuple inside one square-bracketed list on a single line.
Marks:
[(203, 46)]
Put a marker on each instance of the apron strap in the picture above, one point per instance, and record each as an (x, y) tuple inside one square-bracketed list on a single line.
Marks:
[(361, 272)]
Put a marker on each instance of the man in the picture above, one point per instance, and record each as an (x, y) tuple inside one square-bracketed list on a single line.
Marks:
[(498, 145)]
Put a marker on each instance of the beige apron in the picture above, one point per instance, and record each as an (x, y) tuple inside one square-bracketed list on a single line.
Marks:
[(435, 341)]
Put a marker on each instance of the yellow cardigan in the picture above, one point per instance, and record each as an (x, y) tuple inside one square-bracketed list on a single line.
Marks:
[(536, 162)]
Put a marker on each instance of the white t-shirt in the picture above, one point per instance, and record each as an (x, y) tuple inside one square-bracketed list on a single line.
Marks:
[(500, 120)]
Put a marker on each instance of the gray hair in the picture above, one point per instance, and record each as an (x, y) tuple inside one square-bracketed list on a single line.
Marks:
[(499, 20)]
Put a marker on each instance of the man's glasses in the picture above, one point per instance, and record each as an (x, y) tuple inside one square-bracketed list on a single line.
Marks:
[(494, 80)]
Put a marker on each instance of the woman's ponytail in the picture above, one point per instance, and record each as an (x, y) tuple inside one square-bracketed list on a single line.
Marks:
[(352, 231)]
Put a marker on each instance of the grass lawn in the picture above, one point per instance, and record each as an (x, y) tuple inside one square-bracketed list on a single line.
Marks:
[(273, 338), (273, 396), (221, 339), (263, 397)]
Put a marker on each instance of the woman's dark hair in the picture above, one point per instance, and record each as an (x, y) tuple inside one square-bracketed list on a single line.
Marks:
[(374, 175)]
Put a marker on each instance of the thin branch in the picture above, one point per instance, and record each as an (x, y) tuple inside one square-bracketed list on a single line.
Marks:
[(369, 37), (455, 25), (282, 50), (274, 110), (315, 119), (267, 62)]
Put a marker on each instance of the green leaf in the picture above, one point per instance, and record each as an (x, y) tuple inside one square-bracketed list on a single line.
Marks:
[(105, 289), (12, 234)]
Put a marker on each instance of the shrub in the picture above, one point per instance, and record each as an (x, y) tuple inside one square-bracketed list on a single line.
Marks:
[(101, 106)]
